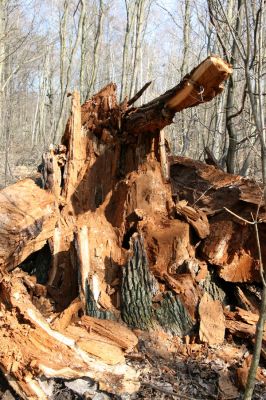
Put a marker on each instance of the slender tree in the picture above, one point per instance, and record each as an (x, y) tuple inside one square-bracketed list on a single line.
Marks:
[(66, 65)]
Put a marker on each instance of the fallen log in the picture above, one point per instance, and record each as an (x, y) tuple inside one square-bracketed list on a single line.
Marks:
[(231, 245)]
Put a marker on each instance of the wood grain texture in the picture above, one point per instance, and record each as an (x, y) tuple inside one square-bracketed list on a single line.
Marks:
[(28, 216), (212, 326), (201, 85)]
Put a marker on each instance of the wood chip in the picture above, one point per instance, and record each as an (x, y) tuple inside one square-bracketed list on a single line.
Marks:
[(212, 325)]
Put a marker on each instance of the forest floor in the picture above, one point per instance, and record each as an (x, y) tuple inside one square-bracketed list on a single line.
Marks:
[(168, 370), (22, 162)]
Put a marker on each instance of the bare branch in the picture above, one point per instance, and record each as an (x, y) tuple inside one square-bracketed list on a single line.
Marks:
[(138, 94)]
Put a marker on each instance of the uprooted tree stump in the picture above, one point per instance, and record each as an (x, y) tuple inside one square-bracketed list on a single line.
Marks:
[(120, 247)]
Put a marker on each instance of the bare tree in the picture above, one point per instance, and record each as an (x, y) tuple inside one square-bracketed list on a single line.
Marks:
[(96, 48), (2, 59), (250, 48), (131, 8), (234, 14), (142, 13), (66, 62), (184, 70), (257, 62)]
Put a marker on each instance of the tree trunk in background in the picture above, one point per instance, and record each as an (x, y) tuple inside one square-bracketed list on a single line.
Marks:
[(42, 109), (63, 67), (131, 15), (83, 57), (66, 66), (230, 103), (258, 111), (184, 70), (186, 38), (5, 70), (93, 69), (2, 64), (142, 12)]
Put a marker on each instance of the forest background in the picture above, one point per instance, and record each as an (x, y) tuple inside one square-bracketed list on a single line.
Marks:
[(48, 48)]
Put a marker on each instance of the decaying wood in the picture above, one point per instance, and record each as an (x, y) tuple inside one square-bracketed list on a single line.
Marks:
[(201, 85), (242, 323), (76, 150), (64, 319), (138, 94), (227, 389), (83, 255), (246, 300), (231, 245), (127, 247), (242, 374), (117, 333), (163, 156), (212, 325), (52, 164), (31, 349), (195, 217), (28, 217)]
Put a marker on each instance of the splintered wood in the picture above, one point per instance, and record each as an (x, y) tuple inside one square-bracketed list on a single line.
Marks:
[(204, 83), (115, 246), (200, 86), (28, 216), (212, 325), (30, 348), (195, 217), (231, 245)]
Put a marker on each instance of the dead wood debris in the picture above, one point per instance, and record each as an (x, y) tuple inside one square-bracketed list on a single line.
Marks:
[(111, 246)]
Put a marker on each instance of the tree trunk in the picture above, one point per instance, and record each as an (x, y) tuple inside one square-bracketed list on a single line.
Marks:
[(230, 103), (142, 12), (66, 67), (114, 240), (97, 41), (2, 63), (131, 15)]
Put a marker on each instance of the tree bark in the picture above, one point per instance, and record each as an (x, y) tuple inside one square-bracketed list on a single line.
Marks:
[(96, 48), (131, 15), (116, 242)]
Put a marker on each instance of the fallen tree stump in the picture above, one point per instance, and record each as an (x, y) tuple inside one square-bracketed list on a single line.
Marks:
[(124, 247)]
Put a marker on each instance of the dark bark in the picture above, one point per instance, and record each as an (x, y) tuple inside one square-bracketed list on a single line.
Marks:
[(141, 307)]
